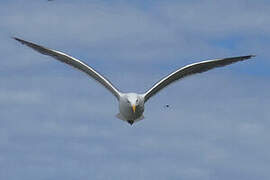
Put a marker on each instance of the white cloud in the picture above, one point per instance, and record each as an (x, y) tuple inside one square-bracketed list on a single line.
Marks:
[(121, 32), (57, 123), (17, 97)]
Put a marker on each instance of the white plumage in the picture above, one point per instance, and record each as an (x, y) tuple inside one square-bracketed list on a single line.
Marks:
[(131, 105)]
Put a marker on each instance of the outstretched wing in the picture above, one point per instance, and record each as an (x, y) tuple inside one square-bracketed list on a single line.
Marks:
[(74, 63), (190, 70)]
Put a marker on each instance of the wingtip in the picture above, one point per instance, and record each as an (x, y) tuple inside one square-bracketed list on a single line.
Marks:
[(20, 40), (17, 39), (249, 56), (14, 37)]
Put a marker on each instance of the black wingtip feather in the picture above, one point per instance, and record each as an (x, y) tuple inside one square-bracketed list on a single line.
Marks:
[(250, 56), (18, 39), (247, 57)]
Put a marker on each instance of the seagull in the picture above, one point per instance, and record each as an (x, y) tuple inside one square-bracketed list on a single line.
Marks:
[(131, 105)]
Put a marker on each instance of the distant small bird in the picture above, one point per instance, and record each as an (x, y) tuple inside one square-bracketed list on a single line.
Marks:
[(167, 105), (131, 105)]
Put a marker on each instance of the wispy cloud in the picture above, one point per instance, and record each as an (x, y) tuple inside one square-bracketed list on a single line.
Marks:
[(58, 124)]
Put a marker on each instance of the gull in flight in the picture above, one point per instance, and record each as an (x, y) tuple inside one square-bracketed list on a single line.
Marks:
[(131, 105)]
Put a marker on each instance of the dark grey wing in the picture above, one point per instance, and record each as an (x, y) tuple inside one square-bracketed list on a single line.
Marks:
[(74, 63), (190, 70)]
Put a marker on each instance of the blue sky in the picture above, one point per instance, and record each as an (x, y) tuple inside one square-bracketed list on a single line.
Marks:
[(56, 123)]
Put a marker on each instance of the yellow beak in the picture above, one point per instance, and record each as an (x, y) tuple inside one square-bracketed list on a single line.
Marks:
[(134, 108)]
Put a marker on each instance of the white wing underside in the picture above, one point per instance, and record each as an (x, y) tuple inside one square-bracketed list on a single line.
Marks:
[(190, 70), (74, 63), (174, 76)]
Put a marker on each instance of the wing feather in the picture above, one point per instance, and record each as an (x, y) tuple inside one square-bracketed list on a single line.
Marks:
[(74, 63), (190, 70)]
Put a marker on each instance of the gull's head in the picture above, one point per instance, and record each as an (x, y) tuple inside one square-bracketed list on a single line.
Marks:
[(131, 107), (134, 100)]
